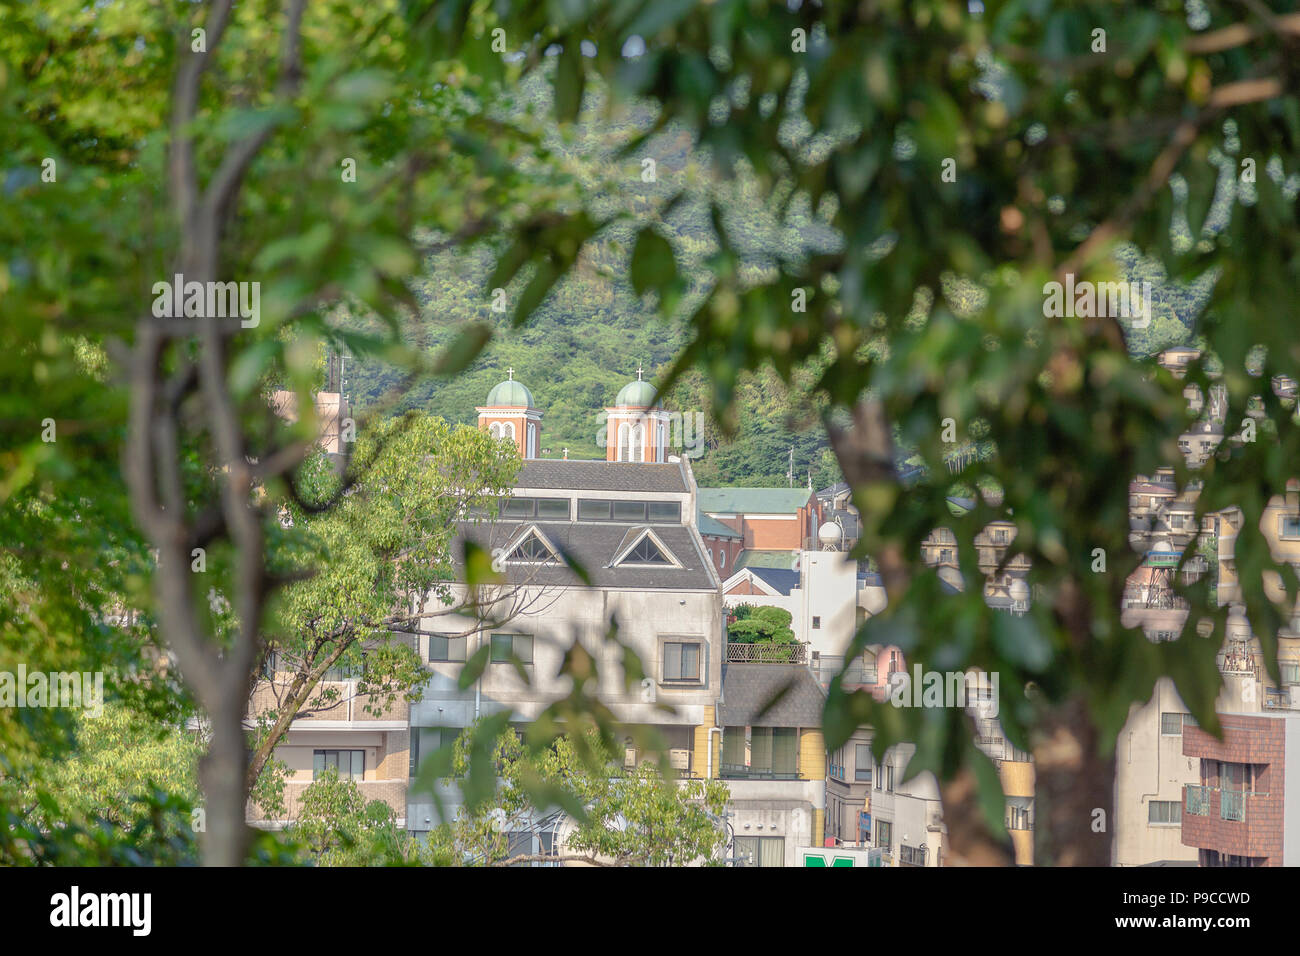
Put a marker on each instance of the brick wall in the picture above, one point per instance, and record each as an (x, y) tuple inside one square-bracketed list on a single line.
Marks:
[(1247, 740)]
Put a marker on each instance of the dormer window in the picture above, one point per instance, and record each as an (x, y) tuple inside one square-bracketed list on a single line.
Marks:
[(643, 547), (532, 548), (646, 552)]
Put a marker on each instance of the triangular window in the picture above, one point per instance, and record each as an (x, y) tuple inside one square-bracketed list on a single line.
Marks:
[(533, 550), (647, 549)]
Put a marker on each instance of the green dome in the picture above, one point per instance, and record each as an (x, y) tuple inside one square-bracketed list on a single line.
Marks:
[(638, 394), (510, 393)]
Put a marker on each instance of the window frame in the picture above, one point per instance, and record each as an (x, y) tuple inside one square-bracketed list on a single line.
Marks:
[(451, 640), (702, 663), (514, 648), (324, 752)]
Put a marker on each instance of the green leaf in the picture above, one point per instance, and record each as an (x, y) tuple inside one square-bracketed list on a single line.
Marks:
[(653, 265)]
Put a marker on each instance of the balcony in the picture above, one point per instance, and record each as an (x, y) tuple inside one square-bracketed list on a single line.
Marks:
[(733, 771), (767, 653), (1197, 803)]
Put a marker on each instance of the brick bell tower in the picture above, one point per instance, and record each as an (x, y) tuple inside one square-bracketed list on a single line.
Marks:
[(636, 428), (509, 414)]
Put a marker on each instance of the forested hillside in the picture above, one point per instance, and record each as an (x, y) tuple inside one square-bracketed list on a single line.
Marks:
[(592, 331)]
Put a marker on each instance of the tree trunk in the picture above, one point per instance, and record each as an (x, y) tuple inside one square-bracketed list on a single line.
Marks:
[(221, 773), (1074, 791)]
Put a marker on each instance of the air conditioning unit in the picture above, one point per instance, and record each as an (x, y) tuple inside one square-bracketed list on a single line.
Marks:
[(679, 759), (629, 757)]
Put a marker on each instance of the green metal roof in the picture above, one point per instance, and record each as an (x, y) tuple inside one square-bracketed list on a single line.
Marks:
[(510, 393), (764, 501), (638, 394), (752, 558), (715, 527)]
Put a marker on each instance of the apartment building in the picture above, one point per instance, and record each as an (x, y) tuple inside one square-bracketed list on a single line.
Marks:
[(630, 525), (1245, 808), (336, 730), (772, 756)]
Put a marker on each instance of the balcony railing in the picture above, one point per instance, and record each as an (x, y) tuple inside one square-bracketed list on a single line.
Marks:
[(767, 653), (735, 771), (1232, 805), (1198, 801)]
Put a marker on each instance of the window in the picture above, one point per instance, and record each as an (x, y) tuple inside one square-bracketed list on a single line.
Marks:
[(532, 549), (1171, 725), (495, 430), (629, 511), (508, 430), (710, 554), (1189, 721), (342, 672), (505, 645), (862, 762), (817, 623), (638, 443), (945, 556), (1288, 526), (910, 855), (624, 433), (1165, 811), (760, 851), (553, 508), (446, 647), (532, 440), (593, 509), (645, 551), (518, 507), (879, 778), (722, 558), (683, 660), (889, 777), (884, 834), (665, 511), (429, 740), (351, 764), (1290, 671)]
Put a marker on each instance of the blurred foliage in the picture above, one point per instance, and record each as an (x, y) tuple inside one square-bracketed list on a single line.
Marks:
[(802, 223), (617, 815)]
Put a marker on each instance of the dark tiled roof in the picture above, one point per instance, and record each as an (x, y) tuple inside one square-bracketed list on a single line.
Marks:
[(594, 545), (748, 688), (781, 579), (571, 475)]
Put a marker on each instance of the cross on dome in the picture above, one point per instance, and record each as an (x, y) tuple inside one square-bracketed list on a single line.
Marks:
[(638, 371), (511, 373)]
